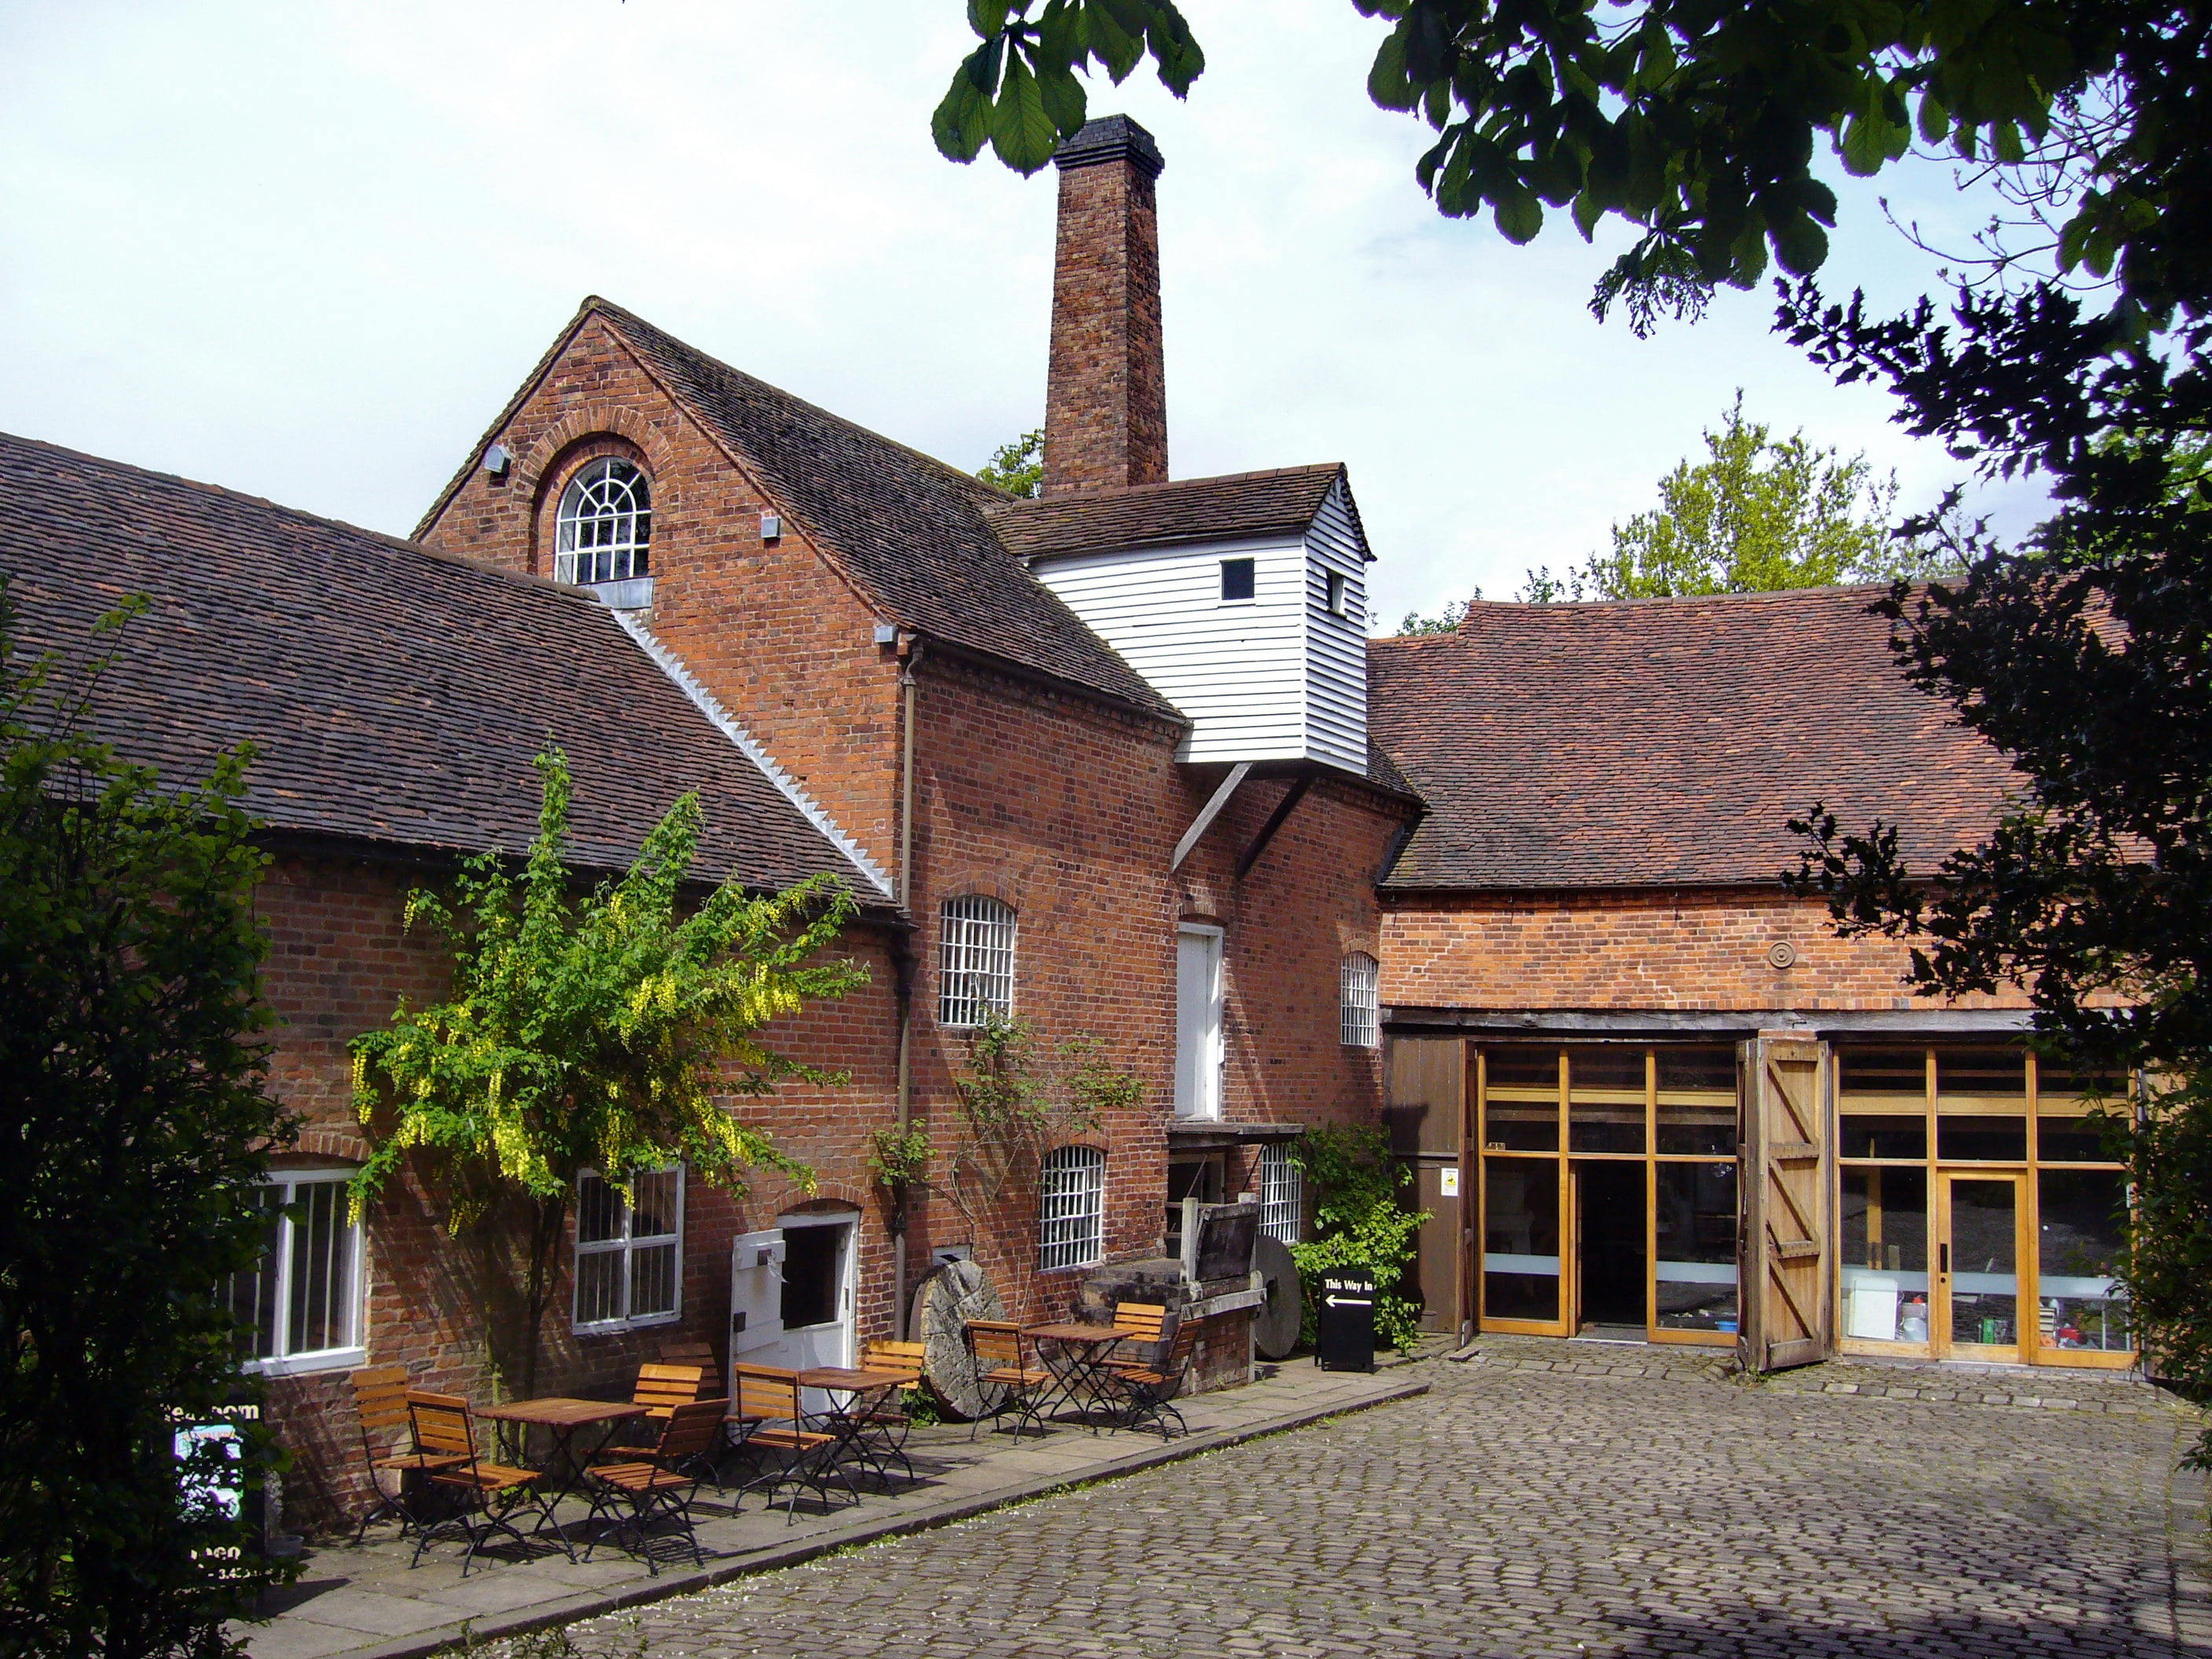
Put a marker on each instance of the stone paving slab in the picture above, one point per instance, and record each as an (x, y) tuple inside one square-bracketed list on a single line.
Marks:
[(1553, 1501), (367, 1603)]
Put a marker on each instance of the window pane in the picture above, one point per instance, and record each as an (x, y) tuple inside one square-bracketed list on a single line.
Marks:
[(2069, 1140), (811, 1259), (598, 1211), (1522, 1068), (252, 1295), (1361, 1012), (1521, 1238), (1982, 1140), (1893, 1071), (598, 1287), (1694, 1276), (977, 960), (1690, 1124), (654, 1217), (2078, 1237), (2056, 1078), (322, 1270), (652, 1279), (1885, 1255), (1887, 1135), (1605, 1112), (1522, 1125), (1984, 1263), (1282, 1193), (1704, 1070), (1070, 1228), (1982, 1074)]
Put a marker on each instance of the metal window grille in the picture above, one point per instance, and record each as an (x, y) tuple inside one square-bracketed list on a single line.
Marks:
[(604, 525), (1362, 1025), (1073, 1231), (1282, 1193), (303, 1296), (976, 976), (628, 1254)]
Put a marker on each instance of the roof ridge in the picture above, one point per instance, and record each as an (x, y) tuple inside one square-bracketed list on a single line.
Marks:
[(623, 317), (1746, 596), (400, 543), (727, 724), (1122, 492)]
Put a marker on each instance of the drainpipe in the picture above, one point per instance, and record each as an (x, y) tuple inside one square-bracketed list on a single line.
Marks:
[(909, 651)]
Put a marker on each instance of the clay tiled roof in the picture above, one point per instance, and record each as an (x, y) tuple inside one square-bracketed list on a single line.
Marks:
[(909, 530), (1239, 505), (1665, 741), (393, 694)]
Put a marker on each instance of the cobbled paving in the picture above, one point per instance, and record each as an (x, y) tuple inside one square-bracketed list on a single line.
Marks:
[(1547, 1500)]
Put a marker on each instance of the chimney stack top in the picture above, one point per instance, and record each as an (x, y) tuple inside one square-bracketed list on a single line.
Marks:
[(1110, 138)]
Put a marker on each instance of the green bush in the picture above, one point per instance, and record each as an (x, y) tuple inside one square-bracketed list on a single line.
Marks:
[(1360, 1223)]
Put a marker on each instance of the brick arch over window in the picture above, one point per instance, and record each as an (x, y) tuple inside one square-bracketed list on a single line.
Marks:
[(976, 943), (578, 438)]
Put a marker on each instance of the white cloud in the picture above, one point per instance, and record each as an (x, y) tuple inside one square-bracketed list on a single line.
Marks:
[(308, 252)]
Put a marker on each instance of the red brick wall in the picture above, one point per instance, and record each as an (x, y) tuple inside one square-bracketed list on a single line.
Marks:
[(1660, 949)]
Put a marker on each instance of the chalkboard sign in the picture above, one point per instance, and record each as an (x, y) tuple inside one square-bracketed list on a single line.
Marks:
[(1347, 1320), (1225, 1233)]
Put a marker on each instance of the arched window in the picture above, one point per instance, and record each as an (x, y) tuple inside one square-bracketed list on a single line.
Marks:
[(976, 974), (605, 522), (1362, 1026), (1072, 1223)]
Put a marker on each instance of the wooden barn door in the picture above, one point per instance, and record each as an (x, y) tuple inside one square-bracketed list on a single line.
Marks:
[(1786, 1236)]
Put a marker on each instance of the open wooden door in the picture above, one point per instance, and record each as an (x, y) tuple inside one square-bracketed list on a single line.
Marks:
[(1786, 1236)]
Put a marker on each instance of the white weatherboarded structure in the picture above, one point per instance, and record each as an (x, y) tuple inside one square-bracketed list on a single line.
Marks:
[(1257, 634)]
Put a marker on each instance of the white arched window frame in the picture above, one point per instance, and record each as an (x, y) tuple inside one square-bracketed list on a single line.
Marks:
[(1072, 1219), (604, 525), (976, 964), (1362, 1026)]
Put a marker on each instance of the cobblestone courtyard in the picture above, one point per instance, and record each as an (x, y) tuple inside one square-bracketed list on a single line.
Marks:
[(1555, 1500)]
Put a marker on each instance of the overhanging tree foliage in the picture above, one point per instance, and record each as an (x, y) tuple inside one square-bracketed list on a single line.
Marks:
[(1018, 467), (133, 1129), (593, 1031)]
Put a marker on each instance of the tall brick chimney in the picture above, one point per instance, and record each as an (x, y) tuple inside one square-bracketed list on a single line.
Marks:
[(1106, 401)]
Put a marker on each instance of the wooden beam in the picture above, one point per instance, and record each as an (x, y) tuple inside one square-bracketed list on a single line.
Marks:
[(1284, 808), (1207, 813)]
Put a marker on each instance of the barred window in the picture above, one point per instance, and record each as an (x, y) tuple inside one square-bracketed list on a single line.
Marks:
[(1282, 1193), (604, 525), (299, 1307), (976, 975), (1362, 1026), (1072, 1230), (628, 1256)]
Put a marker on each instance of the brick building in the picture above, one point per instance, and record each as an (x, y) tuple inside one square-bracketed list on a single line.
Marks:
[(1117, 761)]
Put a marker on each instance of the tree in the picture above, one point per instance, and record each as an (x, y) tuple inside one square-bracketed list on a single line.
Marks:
[(137, 1127), (1446, 620), (593, 1032), (2074, 346), (1018, 467)]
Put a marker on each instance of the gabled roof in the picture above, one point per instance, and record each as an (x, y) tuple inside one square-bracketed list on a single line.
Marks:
[(393, 694), (1237, 506), (908, 531), (1666, 742)]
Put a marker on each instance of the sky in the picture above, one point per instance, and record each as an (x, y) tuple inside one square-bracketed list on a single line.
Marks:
[(309, 251)]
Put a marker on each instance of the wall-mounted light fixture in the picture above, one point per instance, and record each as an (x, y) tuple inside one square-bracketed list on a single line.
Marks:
[(498, 460), (771, 526)]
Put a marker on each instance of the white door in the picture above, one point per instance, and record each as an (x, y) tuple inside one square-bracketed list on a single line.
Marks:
[(791, 1295), (1198, 1021), (756, 1297)]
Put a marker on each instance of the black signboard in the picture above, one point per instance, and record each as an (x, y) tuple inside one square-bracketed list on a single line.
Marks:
[(1346, 1319)]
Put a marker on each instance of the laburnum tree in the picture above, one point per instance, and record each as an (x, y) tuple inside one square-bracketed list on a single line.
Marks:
[(2070, 346), (612, 1029)]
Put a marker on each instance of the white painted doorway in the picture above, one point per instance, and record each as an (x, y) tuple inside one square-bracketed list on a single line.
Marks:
[(1199, 1056), (793, 1290)]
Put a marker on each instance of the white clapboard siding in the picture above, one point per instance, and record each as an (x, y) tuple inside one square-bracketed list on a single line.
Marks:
[(1275, 678), (1336, 646), (1237, 669)]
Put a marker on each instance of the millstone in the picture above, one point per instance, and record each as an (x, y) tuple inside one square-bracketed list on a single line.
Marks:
[(944, 1303), (1276, 1326)]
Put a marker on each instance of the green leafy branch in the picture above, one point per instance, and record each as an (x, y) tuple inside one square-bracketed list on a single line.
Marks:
[(1359, 1221)]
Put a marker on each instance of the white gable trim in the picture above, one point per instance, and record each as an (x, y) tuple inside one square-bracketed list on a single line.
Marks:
[(703, 700)]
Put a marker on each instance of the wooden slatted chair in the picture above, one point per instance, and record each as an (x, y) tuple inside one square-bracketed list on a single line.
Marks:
[(445, 1429), (773, 1424), (701, 1354), (1002, 1358), (1145, 1393), (887, 1424), (660, 1487), (1143, 1325), (660, 1389), (380, 1401)]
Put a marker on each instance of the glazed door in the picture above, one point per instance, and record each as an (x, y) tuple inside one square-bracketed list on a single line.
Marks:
[(1978, 1293)]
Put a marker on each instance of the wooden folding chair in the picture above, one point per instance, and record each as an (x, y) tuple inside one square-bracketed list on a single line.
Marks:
[(380, 1401), (701, 1354), (773, 1425), (1144, 1324), (660, 1389), (1001, 1358), (445, 1429), (1146, 1392), (661, 1487)]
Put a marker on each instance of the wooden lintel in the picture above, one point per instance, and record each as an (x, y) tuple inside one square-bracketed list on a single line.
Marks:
[(1284, 808)]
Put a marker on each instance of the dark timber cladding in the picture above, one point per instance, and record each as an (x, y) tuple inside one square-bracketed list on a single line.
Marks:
[(1106, 419)]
